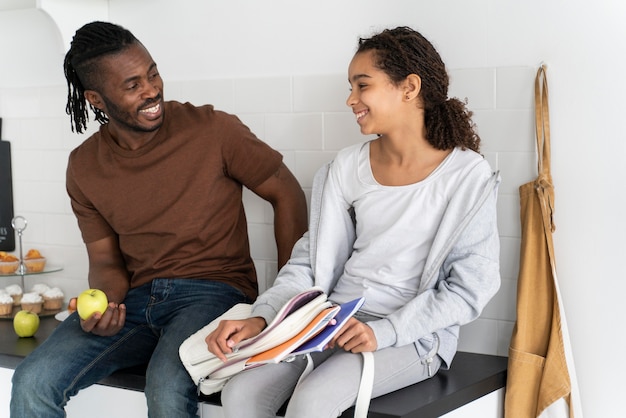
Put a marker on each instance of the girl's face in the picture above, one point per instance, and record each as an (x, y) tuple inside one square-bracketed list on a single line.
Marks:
[(374, 99)]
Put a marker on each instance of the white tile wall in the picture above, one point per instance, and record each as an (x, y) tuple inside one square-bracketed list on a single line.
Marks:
[(263, 95), (304, 117)]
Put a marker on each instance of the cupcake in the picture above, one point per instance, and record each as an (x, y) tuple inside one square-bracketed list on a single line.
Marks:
[(32, 302), (34, 261), (40, 288), (15, 291), (8, 263), (6, 303), (52, 299)]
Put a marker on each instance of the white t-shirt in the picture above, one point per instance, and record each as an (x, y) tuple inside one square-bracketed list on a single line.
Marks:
[(395, 227)]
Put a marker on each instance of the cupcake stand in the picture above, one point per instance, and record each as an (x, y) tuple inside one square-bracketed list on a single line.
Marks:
[(19, 224)]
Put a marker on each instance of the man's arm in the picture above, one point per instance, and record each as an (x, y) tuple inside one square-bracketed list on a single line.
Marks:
[(107, 270), (108, 273), (283, 191)]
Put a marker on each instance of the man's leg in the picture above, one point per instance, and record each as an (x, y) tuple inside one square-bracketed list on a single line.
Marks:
[(71, 359), (179, 308)]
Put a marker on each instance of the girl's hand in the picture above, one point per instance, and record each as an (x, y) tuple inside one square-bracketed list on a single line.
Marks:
[(230, 332), (355, 336)]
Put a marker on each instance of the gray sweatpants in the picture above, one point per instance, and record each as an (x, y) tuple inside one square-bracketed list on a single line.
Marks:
[(328, 390)]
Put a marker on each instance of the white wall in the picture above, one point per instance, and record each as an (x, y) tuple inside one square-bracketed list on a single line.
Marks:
[(281, 66)]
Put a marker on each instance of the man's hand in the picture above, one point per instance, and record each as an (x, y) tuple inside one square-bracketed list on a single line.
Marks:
[(228, 333), (355, 336), (105, 324)]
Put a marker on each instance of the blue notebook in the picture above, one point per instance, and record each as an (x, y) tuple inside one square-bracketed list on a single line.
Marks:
[(318, 342)]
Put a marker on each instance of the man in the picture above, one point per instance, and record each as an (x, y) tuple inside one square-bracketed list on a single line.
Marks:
[(157, 194)]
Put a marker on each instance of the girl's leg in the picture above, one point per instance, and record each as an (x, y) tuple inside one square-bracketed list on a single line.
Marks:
[(260, 392), (332, 387)]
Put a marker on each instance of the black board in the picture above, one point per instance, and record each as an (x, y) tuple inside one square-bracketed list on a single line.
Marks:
[(7, 235)]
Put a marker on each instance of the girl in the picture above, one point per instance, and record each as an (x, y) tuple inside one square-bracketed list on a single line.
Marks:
[(407, 220)]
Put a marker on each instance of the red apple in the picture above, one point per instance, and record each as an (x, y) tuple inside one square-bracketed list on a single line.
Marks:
[(91, 301)]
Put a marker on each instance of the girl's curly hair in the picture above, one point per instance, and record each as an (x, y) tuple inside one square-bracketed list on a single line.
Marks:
[(403, 51)]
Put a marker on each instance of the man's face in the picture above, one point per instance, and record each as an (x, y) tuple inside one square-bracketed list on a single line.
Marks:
[(130, 92)]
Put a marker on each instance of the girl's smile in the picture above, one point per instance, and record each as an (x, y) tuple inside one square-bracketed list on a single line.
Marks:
[(360, 114)]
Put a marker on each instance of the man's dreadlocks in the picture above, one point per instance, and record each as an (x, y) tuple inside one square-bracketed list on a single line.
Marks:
[(90, 42)]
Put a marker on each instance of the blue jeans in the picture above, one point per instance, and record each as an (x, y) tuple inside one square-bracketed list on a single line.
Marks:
[(159, 317)]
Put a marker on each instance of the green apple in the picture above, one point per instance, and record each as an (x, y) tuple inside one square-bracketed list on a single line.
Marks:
[(25, 323), (91, 301)]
